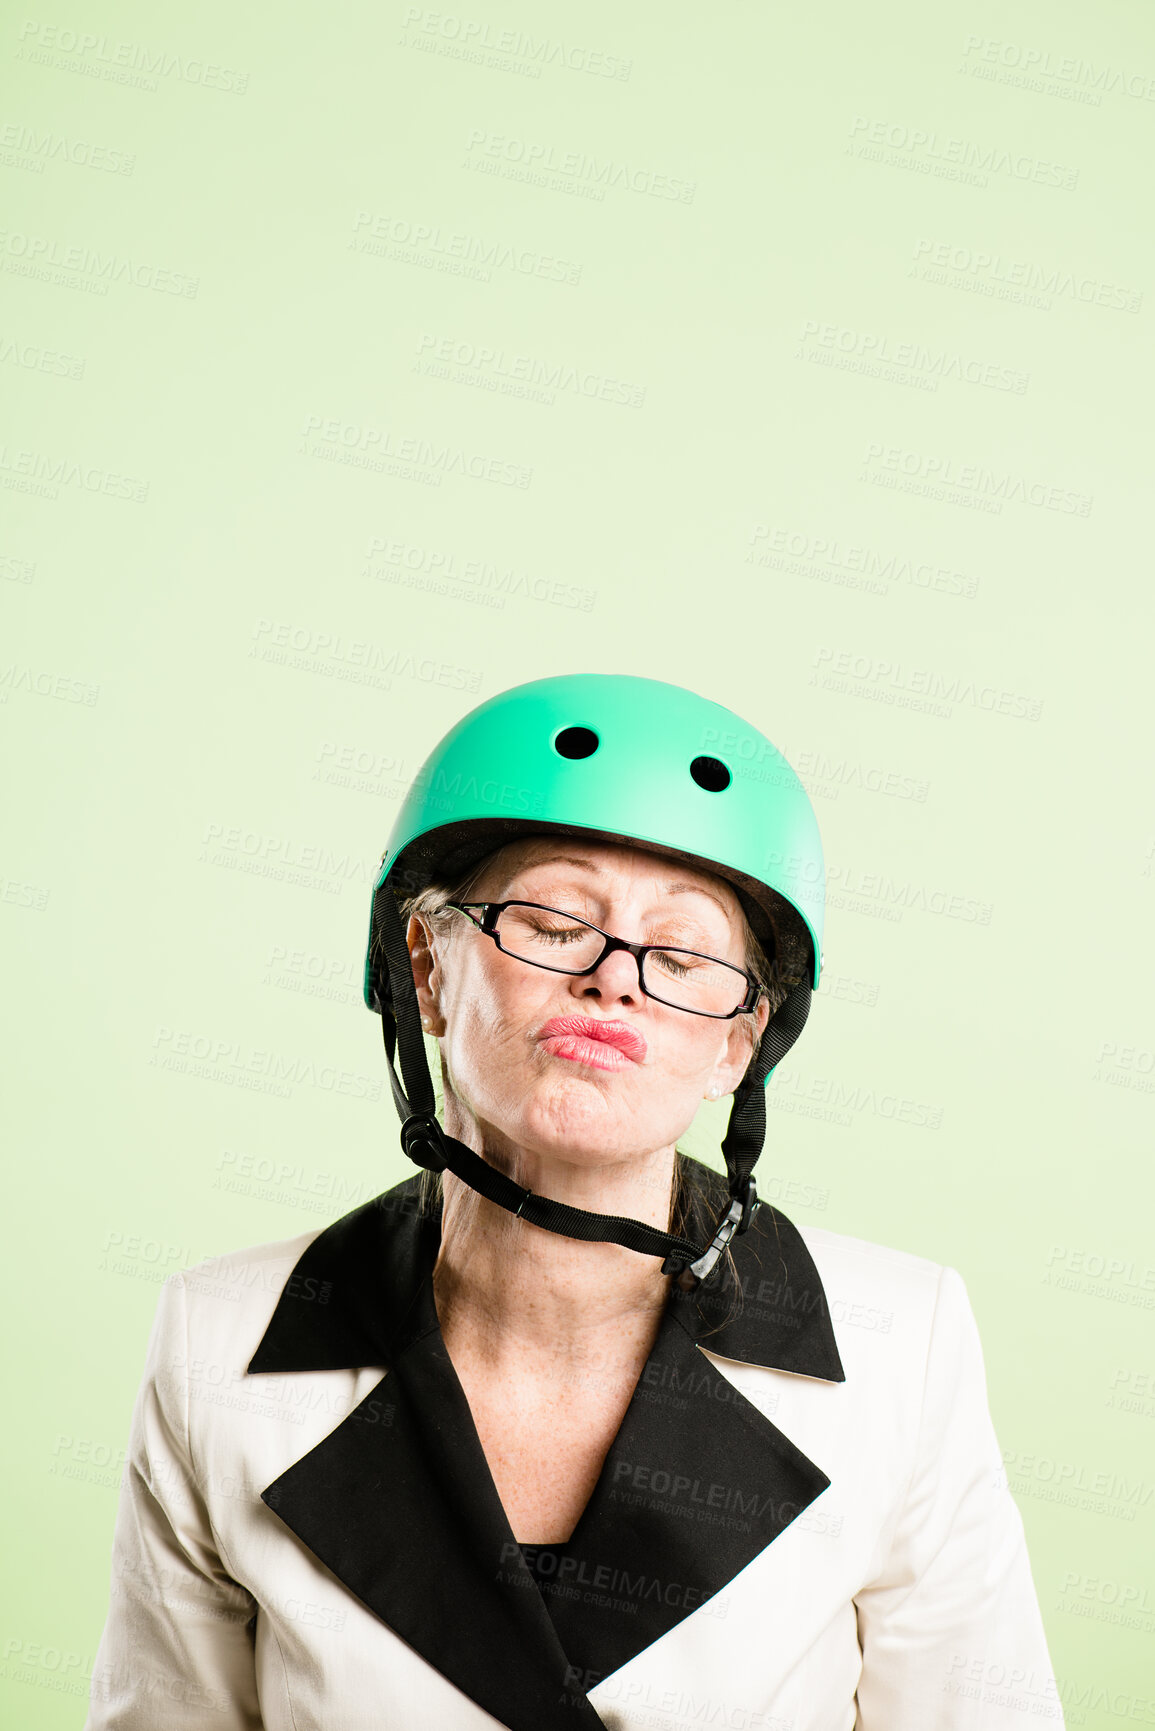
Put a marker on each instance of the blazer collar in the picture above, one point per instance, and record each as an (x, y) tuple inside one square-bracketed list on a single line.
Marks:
[(354, 1297), (398, 1501)]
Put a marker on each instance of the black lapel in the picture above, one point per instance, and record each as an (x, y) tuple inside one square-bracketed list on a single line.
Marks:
[(398, 1501), (351, 1297), (771, 1308), (698, 1481), (696, 1484)]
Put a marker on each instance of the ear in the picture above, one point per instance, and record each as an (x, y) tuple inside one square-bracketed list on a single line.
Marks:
[(423, 960), (734, 1058)]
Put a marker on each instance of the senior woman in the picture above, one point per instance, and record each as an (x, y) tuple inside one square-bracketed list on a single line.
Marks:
[(568, 1430)]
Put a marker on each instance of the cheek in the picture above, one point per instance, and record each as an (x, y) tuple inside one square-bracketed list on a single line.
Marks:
[(689, 1054), (488, 1011)]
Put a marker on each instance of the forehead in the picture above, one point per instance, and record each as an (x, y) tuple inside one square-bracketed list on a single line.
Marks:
[(612, 866)]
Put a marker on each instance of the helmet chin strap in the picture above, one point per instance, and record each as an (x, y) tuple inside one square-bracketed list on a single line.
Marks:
[(428, 1145)]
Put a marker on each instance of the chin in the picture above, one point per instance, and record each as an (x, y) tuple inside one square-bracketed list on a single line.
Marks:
[(570, 1120)]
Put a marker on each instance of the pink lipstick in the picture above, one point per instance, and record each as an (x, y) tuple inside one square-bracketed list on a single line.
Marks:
[(600, 1045)]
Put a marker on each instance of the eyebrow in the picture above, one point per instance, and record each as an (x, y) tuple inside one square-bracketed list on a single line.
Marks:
[(588, 865)]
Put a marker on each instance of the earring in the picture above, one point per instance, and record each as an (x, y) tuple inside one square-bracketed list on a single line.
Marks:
[(427, 1022), (712, 1092)]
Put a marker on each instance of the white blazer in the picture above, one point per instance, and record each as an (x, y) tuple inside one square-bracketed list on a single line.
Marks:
[(803, 1523)]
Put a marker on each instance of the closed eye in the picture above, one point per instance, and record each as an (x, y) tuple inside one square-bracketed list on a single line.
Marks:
[(560, 934)]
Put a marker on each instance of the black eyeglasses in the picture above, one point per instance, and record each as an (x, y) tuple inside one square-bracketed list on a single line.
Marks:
[(686, 979)]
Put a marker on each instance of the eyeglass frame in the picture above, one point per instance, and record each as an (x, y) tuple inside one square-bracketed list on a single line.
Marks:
[(492, 911)]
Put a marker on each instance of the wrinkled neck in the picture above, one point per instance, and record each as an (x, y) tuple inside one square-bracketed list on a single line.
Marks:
[(502, 1285)]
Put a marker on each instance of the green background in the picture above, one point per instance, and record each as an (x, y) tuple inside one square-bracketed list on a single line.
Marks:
[(358, 366)]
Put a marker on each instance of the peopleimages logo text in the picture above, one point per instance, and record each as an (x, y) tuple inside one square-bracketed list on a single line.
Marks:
[(1001, 486)]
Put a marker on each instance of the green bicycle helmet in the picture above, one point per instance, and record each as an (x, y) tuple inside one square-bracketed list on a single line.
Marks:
[(606, 756)]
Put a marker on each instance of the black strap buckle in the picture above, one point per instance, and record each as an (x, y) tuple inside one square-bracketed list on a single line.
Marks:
[(421, 1138), (743, 1206), (748, 1195)]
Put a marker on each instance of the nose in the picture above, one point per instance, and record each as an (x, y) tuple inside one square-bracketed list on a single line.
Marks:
[(615, 980)]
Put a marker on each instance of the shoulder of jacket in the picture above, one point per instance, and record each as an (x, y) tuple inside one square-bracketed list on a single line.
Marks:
[(280, 1252), (234, 1294), (857, 1266)]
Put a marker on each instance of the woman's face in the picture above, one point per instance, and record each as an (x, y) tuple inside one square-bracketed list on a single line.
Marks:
[(554, 1094)]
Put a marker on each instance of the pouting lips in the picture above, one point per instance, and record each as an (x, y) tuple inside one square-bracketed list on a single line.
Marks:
[(616, 1034)]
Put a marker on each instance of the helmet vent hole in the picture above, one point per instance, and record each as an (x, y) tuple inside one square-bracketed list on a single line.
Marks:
[(576, 742), (710, 773)]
